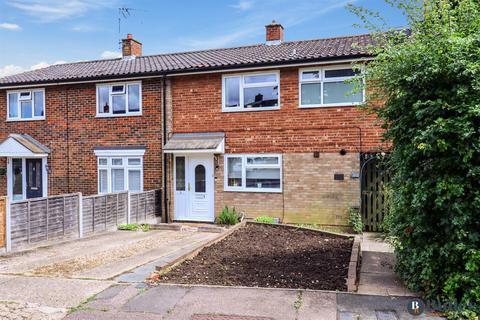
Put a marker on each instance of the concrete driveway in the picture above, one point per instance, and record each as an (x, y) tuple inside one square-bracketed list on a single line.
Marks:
[(45, 282)]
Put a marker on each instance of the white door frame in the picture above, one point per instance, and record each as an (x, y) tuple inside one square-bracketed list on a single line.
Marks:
[(24, 177), (183, 211)]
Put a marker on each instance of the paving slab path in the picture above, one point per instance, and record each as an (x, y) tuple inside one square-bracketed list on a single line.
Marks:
[(184, 302), (377, 276), (45, 283)]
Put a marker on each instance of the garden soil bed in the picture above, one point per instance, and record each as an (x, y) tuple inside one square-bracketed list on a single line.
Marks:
[(274, 256)]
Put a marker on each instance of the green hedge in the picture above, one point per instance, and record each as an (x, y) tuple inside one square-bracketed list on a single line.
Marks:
[(430, 82)]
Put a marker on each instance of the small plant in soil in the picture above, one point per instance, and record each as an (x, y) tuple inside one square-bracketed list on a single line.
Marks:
[(355, 220), (228, 216), (265, 219), (134, 227)]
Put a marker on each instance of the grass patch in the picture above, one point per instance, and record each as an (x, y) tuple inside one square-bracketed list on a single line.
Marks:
[(265, 219), (134, 227), (82, 306)]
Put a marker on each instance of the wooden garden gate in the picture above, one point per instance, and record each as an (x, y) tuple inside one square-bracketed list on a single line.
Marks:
[(374, 176)]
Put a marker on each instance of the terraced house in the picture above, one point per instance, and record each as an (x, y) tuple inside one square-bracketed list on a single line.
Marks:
[(269, 128)]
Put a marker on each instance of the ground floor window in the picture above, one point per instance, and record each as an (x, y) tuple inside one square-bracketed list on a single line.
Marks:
[(253, 172), (120, 173), (27, 178)]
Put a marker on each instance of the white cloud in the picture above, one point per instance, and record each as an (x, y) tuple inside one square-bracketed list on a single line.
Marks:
[(39, 65), (52, 10), (110, 55), (10, 26), (243, 5), (10, 69)]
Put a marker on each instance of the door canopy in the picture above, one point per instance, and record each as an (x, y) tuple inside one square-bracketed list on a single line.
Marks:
[(22, 145), (204, 142)]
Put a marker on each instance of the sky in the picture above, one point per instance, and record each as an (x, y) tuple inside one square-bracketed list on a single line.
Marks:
[(38, 33)]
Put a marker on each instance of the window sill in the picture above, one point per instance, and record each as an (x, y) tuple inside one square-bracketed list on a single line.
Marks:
[(251, 109), (118, 115), (331, 105), (253, 191), (22, 120)]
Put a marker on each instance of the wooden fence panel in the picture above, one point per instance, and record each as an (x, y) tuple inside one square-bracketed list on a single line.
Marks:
[(34, 221), (144, 206), (3, 221), (104, 212)]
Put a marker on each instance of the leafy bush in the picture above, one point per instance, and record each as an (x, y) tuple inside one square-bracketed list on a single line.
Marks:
[(134, 227), (355, 220), (429, 79), (265, 219), (228, 217)]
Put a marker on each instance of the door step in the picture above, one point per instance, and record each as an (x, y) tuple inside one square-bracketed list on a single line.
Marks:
[(186, 228)]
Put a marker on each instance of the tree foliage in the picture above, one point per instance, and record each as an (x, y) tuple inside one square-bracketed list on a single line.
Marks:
[(429, 78)]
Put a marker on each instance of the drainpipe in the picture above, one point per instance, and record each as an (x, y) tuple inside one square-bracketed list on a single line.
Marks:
[(68, 138), (164, 140)]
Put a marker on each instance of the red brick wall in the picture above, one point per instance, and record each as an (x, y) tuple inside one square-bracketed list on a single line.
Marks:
[(197, 105), (274, 32), (70, 114)]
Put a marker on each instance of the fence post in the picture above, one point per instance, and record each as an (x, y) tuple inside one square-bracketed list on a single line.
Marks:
[(128, 207), (80, 215), (28, 222), (8, 227)]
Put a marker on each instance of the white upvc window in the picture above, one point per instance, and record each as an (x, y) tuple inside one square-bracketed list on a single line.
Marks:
[(26, 105), (251, 91), (120, 173), (253, 172), (328, 87), (119, 99)]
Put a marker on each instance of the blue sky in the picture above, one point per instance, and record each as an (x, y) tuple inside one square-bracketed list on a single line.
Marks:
[(37, 33)]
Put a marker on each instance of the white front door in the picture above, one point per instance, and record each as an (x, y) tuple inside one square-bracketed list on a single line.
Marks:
[(194, 188)]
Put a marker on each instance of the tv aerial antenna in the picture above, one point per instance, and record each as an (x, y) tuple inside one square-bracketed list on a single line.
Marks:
[(123, 14)]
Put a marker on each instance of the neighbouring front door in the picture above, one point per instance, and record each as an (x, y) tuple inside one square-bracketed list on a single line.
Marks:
[(194, 188), (34, 178)]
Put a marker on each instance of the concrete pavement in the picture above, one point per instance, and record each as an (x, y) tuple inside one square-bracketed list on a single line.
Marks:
[(179, 302), (66, 275), (377, 275)]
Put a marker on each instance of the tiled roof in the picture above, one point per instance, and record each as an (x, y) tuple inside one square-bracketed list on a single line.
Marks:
[(214, 59)]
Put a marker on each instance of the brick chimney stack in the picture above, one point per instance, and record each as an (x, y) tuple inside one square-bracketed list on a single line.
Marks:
[(131, 47), (274, 33)]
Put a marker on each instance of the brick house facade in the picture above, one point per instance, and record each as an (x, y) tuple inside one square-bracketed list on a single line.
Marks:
[(298, 163), (310, 194), (72, 131)]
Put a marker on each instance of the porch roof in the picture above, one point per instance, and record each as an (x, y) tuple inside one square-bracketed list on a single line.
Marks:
[(22, 145), (202, 142)]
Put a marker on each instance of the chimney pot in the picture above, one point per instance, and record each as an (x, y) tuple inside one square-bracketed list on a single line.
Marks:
[(274, 33), (131, 47)]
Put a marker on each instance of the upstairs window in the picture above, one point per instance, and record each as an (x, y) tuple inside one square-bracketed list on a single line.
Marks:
[(119, 99), (258, 91), (26, 105), (328, 87)]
